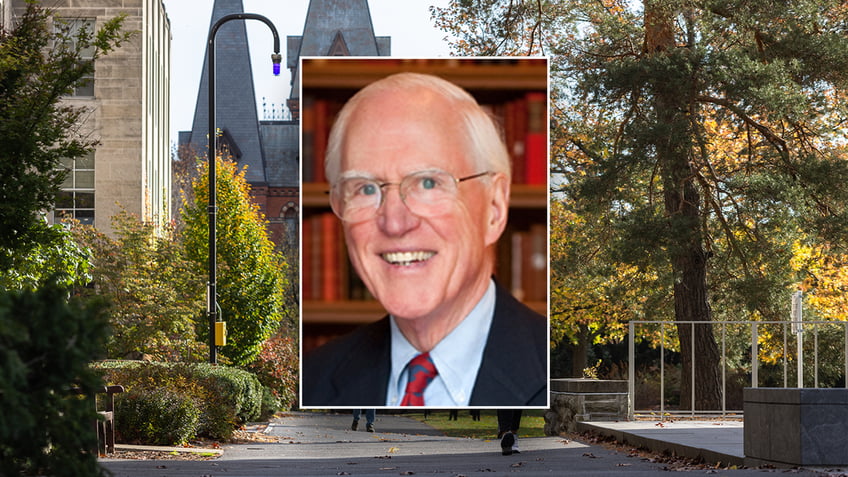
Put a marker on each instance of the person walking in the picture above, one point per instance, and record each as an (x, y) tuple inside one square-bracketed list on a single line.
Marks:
[(509, 421), (370, 416)]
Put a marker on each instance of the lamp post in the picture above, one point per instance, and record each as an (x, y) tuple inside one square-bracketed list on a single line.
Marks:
[(212, 290)]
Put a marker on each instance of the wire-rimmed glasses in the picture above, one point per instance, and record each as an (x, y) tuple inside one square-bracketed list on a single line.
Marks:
[(426, 194)]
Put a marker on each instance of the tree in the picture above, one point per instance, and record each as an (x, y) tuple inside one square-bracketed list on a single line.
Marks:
[(37, 68), (46, 427), (61, 261), (251, 276), (701, 134), (155, 295)]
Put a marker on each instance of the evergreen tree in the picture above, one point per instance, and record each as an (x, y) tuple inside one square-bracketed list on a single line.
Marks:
[(697, 137)]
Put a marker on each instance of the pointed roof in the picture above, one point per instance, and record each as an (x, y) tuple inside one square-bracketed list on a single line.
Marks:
[(235, 98), (332, 28)]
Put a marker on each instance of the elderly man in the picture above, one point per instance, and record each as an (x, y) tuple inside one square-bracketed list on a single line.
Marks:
[(421, 180)]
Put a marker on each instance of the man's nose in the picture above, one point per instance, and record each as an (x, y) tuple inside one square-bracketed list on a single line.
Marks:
[(394, 217)]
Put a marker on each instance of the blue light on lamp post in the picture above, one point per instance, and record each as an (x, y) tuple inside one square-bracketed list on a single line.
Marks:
[(276, 58)]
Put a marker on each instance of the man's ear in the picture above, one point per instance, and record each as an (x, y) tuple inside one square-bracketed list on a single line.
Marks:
[(498, 208)]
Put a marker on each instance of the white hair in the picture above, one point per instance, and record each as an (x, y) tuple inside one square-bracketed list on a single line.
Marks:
[(484, 143)]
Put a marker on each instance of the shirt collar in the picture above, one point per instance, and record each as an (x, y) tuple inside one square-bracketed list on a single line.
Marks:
[(457, 357)]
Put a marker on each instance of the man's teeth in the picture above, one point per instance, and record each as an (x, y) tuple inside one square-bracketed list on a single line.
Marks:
[(406, 258)]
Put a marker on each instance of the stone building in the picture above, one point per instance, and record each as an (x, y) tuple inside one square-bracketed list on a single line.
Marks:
[(270, 147), (128, 99)]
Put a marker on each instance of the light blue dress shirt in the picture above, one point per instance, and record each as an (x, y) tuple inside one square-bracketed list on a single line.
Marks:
[(457, 358)]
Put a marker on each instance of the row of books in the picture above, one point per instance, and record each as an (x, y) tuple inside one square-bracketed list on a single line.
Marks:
[(524, 121), (521, 262)]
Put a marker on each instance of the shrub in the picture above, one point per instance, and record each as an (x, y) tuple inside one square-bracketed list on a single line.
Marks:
[(277, 367), (46, 345), (226, 397), (156, 416)]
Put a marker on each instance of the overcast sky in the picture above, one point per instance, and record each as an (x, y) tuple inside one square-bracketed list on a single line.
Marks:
[(407, 22)]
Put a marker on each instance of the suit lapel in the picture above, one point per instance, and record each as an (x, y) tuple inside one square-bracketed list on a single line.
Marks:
[(362, 379), (508, 367)]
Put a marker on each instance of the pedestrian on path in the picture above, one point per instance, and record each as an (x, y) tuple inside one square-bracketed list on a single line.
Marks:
[(370, 415), (509, 421)]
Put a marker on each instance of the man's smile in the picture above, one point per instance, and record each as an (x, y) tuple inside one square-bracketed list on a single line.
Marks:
[(407, 258)]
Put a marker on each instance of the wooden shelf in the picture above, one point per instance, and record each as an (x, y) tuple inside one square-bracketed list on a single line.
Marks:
[(354, 73), (523, 196), (342, 312), (356, 312)]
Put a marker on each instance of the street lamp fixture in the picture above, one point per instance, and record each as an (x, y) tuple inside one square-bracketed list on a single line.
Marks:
[(276, 58)]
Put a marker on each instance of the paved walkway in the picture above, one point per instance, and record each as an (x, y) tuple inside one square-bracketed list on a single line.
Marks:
[(323, 445)]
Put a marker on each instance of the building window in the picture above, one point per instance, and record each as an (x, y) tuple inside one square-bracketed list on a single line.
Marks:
[(72, 27), (76, 199)]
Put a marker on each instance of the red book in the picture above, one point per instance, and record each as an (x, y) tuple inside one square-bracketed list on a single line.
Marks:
[(519, 146), (307, 140), (306, 266), (536, 142), (322, 130), (317, 269), (330, 257)]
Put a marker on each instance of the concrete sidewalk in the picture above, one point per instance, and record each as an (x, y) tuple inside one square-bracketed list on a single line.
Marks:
[(314, 444), (712, 441)]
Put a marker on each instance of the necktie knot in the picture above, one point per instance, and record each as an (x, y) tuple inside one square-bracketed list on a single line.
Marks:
[(420, 372)]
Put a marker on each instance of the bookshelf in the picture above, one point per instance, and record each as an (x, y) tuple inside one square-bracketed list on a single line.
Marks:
[(514, 92)]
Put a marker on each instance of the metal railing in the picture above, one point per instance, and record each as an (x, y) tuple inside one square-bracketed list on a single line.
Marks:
[(668, 330)]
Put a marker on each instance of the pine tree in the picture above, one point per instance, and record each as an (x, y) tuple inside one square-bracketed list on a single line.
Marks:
[(698, 137)]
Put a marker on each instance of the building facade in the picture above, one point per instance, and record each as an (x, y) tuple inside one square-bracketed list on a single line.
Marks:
[(128, 104)]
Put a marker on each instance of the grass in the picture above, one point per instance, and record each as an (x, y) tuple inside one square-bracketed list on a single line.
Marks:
[(532, 423)]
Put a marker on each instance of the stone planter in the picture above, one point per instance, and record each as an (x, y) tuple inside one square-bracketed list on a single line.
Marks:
[(796, 426), (574, 400)]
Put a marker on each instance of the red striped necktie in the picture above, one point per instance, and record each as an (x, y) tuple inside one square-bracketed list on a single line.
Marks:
[(421, 371)]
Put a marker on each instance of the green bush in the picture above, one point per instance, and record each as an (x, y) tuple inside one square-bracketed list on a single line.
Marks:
[(156, 416), (46, 345), (226, 397), (277, 367)]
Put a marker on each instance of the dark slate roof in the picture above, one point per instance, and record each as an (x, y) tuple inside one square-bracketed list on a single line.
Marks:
[(280, 141), (235, 97), (332, 21)]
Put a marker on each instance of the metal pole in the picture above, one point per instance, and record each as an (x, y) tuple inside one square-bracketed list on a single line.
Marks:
[(662, 371), (212, 208), (785, 354), (800, 355), (755, 356), (723, 369), (631, 371), (815, 355), (692, 362)]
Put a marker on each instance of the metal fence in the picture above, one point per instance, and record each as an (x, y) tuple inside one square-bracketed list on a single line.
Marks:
[(739, 347)]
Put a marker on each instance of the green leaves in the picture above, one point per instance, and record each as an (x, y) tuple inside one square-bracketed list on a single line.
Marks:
[(46, 345), (37, 68), (156, 296), (251, 275)]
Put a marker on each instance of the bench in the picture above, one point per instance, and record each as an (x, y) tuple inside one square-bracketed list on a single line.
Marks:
[(106, 422)]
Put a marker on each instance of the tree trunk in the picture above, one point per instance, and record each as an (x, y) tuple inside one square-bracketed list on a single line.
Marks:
[(581, 350), (672, 92)]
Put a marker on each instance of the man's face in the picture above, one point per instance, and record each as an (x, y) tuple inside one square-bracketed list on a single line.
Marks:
[(421, 267)]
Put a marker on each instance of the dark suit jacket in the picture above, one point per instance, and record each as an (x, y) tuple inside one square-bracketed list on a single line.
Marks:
[(354, 369)]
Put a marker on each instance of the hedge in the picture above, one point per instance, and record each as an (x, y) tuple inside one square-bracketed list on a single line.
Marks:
[(221, 398)]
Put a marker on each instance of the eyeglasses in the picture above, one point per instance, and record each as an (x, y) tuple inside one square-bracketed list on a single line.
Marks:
[(425, 194)]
